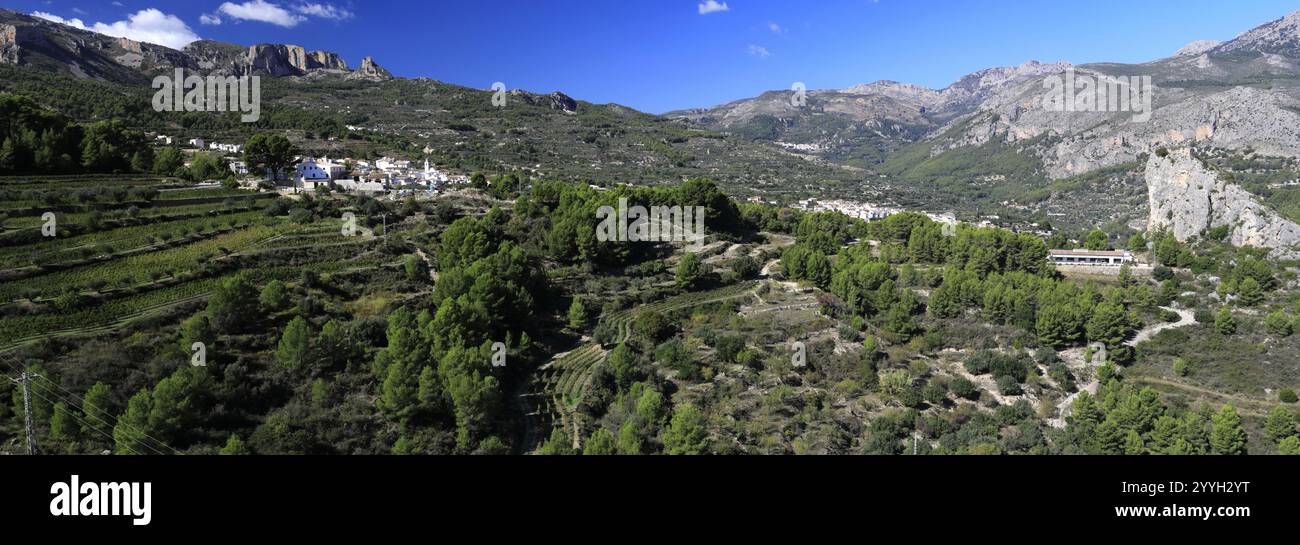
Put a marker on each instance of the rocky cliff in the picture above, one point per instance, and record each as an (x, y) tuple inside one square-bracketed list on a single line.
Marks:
[(369, 70), (290, 60), (1188, 198), (31, 41)]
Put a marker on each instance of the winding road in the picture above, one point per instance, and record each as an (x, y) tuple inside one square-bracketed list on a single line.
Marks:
[(1186, 318)]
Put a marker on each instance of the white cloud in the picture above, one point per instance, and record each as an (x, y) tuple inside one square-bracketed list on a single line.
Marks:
[(210, 19), (759, 51), (55, 18), (146, 25), (775, 28), (262, 11), (713, 6), (324, 11)]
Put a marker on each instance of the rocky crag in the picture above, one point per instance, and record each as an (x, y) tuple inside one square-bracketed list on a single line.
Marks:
[(1188, 198)]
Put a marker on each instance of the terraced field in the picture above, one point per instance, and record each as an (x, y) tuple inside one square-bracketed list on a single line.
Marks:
[(559, 386), (92, 279)]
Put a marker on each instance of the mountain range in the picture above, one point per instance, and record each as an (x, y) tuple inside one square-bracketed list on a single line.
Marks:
[(986, 146)]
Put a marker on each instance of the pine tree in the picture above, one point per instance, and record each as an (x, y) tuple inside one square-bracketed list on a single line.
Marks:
[(64, 430), (1289, 446), (1280, 424), (295, 344), (234, 447), (601, 443), (1227, 436), (96, 408), (630, 439), (686, 434), (577, 314), (1249, 292), (129, 434), (1224, 322), (1133, 445)]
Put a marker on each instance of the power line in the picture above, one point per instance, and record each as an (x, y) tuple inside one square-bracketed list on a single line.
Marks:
[(83, 423), (29, 427), (72, 399)]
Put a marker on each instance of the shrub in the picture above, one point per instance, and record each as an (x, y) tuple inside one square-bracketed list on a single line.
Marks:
[(1008, 386), (964, 388), (1287, 396)]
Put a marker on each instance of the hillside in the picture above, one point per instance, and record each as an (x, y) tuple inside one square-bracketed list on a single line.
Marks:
[(332, 109)]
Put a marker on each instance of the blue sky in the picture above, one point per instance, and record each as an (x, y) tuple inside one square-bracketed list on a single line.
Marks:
[(660, 55)]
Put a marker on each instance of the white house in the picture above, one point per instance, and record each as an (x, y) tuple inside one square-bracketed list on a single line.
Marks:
[(309, 174), (388, 163), (1090, 257), (198, 143), (335, 170)]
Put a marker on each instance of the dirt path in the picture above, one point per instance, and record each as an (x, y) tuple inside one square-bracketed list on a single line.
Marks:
[(1073, 359), (1253, 407), (1185, 318)]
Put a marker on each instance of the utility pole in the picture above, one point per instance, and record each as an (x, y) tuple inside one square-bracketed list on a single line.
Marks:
[(29, 424)]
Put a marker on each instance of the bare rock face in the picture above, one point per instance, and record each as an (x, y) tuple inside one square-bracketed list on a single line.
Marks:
[(8, 44), (290, 60), (1197, 48), (1188, 199), (371, 71)]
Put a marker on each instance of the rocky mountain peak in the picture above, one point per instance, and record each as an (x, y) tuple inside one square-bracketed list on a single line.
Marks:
[(371, 71), (1280, 37), (1197, 47)]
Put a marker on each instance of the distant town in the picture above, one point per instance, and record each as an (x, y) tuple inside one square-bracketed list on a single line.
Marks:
[(387, 176)]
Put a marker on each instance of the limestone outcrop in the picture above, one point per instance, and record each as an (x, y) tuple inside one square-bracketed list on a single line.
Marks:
[(1188, 199)]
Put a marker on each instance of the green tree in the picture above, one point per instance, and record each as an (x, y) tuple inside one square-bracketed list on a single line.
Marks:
[(272, 154), (557, 445), (168, 161), (601, 443), (818, 269), (233, 304), (274, 296), (631, 440), (196, 329), (130, 434), (690, 270), (686, 434), (1224, 322), (295, 344), (1109, 325), (1133, 445), (234, 447), (64, 429), (97, 410), (1249, 292), (577, 314), (1280, 424), (622, 363), (1227, 436), (1137, 243), (1289, 446), (1278, 323), (1097, 240)]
